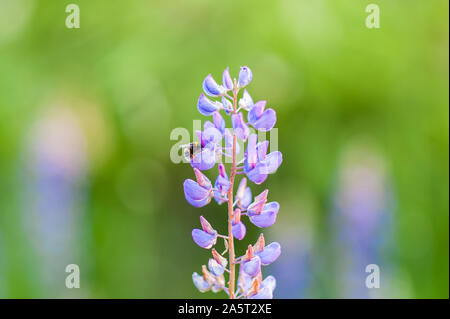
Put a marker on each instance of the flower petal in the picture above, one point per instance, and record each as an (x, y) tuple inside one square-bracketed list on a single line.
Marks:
[(267, 217), (204, 239), (211, 87), (270, 253), (238, 230), (246, 102), (200, 282), (252, 267), (269, 282), (255, 113), (204, 160), (196, 195), (239, 126), (273, 161), (226, 79), (266, 121), (206, 106), (263, 293), (258, 174), (215, 268), (245, 76), (219, 122)]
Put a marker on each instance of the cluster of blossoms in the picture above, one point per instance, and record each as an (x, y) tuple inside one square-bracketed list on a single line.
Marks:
[(256, 164)]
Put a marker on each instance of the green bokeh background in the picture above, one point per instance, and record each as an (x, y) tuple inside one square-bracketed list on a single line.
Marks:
[(133, 72)]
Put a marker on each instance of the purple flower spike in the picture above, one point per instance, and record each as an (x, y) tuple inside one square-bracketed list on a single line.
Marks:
[(211, 87), (221, 186), (206, 106), (205, 238), (239, 126), (267, 217), (262, 120), (245, 76), (198, 193), (246, 102), (255, 163), (226, 80)]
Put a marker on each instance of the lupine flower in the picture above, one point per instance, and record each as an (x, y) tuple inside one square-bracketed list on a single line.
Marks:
[(245, 76), (257, 164), (238, 227), (243, 195), (260, 119), (239, 126), (205, 237), (198, 193), (221, 186)]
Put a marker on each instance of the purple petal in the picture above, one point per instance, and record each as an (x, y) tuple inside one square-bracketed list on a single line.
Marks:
[(215, 268), (255, 113), (245, 76), (263, 293), (206, 226), (270, 282), (226, 79), (196, 195), (219, 122), (239, 230), (273, 161), (267, 217), (252, 267), (227, 105), (211, 87), (261, 150), (266, 122), (259, 174), (211, 134), (252, 156), (239, 126), (270, 253), (204, 160), (200, 282), (246, 102), (203, 239), (202, 180), (206, 106)]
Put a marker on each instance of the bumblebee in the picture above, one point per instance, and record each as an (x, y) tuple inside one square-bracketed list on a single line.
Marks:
[(190, 150)]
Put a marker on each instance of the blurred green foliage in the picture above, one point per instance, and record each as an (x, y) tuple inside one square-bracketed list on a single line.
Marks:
[(133, 72)]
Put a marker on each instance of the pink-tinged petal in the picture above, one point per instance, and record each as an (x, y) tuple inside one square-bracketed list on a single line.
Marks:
[(239, 230), (206, 226), (215, 268), (204, 160), (226, 79), (211, 87), (239, 126), (252, 267), (247, 199), (202, 180), (246, 102), (270, 253), (267, 217), (206, 106), (244, 281), (204, 239), (200, 282), (257, 206), (273, 161), (266, 121), (245, 76)]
